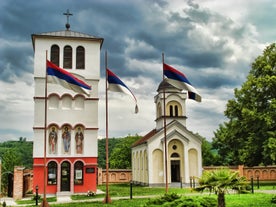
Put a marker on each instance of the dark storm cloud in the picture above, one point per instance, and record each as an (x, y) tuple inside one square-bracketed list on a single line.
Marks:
[(15, 61), (173, 33)]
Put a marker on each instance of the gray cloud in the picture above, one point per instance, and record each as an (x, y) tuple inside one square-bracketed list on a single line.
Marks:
[(212, 49)]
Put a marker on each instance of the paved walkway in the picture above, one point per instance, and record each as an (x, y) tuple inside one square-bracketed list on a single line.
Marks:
[(67, 199)]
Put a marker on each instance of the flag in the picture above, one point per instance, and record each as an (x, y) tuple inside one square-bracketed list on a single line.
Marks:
[(66, 79), (179, 80), (116, 85)]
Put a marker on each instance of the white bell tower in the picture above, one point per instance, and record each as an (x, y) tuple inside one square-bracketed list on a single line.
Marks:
[(175, 102), (72, 118)]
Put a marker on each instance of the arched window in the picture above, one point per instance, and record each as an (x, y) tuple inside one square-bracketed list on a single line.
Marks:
[(171, 110), (67, 57), (55, 54), (175, 110), (80, 58), (78, 169), (52, 173), (175, 154)]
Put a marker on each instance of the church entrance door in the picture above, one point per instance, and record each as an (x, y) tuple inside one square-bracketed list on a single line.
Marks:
[(175, 170), (65, 176)]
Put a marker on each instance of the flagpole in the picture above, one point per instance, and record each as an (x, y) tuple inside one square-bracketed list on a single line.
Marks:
[(44, 202), (107, 197), (165, 129)]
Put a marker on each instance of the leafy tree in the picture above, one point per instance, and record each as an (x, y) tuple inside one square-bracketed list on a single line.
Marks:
[(102, 152), (120, 157), (23, 148), (249, 135), (15, 153), (9, 159), (209, 156), (219, 181)]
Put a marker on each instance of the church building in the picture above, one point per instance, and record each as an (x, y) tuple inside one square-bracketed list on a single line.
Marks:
[(174, 144), (65, 140)]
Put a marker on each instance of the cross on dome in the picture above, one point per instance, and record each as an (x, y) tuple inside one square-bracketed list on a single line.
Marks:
[(67, 14)]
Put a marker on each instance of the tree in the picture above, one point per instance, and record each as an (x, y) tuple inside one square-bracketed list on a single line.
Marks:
[(9, 159), (112, 142), (249, 134), (209, 157), (219, 181), (120, 157)]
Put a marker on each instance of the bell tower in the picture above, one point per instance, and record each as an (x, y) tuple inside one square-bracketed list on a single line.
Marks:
[(175, 104), (71, 124)]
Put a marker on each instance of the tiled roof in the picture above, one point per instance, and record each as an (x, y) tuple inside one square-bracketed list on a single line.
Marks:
[(144, 138)]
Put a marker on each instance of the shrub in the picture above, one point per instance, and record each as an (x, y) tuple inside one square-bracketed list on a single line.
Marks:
[(208, 202), (163, 199), (273, 200), (173, 200)]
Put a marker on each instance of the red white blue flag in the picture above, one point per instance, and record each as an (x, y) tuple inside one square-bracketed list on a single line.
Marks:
[(116, 85), (67, 80), (179, 80)]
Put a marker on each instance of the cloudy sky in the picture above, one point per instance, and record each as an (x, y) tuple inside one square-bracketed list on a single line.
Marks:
[(213, 42)]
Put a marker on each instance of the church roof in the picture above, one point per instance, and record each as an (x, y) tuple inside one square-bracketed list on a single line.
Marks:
[(144, 138), (153, 132), (67, 34), (165, 85)]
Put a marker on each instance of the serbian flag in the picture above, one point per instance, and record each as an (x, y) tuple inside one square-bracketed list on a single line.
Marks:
[(116, 85), (67, 80), (179, 80)]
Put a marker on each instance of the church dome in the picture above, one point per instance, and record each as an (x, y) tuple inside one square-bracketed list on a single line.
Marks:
[(167, 86)]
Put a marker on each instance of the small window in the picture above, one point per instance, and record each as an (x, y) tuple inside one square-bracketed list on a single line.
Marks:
[(78, 169), (67, 57), (176, 110), (55, 54), (52, 173), (171, 110), (175, 155), (80, 58)]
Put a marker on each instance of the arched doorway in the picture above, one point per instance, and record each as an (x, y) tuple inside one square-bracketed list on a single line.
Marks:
[(65, 176), (175, 168)]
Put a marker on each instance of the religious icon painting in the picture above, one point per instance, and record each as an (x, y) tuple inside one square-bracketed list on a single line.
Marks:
[(79, 139), (52, 139), (66, 139)]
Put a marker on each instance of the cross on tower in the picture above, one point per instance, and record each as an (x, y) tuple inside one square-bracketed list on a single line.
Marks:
[(68, 14)]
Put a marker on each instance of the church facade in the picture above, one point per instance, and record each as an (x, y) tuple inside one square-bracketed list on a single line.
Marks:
[(65, 123), (173, 144)]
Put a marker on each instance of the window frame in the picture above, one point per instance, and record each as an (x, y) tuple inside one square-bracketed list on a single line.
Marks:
[(67, 57), (80, 57), (78, 169), (55, 54), (52, 169)]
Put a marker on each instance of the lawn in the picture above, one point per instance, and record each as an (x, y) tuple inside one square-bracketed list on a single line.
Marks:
[(233, 200), (115, 191)]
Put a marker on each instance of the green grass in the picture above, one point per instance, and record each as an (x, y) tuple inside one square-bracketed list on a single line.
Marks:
[(123, 190), (233, 200), (31, 201), (249, 200), (117, 203)]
